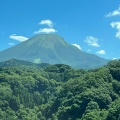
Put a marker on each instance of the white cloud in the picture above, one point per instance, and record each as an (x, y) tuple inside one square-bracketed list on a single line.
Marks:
[(89, 50), (46, 30), (117, 26), (46, 22), (11, 44), (18, 38), (102, 52), (92, 41), (114, 58), (78, 46), (114, 13)]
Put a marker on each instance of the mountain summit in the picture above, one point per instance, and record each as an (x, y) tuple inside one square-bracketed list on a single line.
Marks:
[(53, 49)]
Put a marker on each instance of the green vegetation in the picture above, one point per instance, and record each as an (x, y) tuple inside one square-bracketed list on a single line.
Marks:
[(59, 92), (37, 61)]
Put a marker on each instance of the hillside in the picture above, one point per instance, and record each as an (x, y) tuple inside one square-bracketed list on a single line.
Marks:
[(52, 49), (59, 92), (15, 62)]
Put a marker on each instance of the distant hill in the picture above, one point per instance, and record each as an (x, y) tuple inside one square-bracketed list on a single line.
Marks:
[(15, 62), (52, 49)]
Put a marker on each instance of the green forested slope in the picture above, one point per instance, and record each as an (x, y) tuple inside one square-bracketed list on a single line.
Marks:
[(59, 92), (15, 62)]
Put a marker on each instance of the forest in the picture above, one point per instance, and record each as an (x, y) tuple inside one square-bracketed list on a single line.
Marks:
[(59, 92)]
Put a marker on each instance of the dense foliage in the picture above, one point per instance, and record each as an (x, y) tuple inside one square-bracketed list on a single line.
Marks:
[(59, 92)]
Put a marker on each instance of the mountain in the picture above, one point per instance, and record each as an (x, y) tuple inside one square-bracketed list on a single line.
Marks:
[(52, 49)]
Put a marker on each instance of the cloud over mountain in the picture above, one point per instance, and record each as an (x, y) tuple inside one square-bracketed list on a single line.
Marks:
[(92, 41), (47, 30), (78, 46), (18, 38), (117, 26), (102, 52), (114, 13), (46, 22)]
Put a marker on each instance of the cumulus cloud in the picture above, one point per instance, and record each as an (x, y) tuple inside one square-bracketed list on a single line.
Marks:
[(46, 22), (18, 38), (92, 41), (46, 30), (102, 52), (78, 46), (114, 13), (11, 44), (114, 58), (117, 26)]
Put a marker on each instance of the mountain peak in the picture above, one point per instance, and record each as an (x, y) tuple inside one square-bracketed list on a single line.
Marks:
[(46, 40)]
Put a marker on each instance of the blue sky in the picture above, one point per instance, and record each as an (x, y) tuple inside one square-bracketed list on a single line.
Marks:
[(91, 25)]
